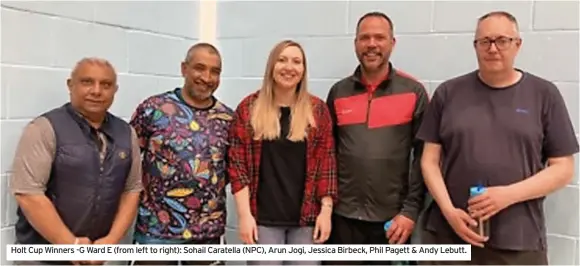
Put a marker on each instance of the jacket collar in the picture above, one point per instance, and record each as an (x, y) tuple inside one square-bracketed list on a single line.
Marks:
[(358, 78), (82, 121)]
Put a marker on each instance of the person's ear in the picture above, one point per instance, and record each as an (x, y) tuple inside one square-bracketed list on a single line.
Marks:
[(69, 84)]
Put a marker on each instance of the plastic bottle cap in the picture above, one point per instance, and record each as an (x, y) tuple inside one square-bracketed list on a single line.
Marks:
[(477, 190), (388, 224)]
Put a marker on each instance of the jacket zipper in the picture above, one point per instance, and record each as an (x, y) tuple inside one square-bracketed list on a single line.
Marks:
[(101, 157), (369, 100)]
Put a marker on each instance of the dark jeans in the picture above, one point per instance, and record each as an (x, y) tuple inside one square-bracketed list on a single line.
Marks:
[(484, 256), (346, 231), (215, 241)]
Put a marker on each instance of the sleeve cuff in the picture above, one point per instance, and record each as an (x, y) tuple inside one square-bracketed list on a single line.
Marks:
[(30, 191), (413, 215), (236, 186)]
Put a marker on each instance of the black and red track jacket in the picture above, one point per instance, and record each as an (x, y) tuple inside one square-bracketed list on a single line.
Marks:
[(378, 155)]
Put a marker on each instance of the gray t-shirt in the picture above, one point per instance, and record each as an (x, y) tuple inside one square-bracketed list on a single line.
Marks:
[(497, 137)]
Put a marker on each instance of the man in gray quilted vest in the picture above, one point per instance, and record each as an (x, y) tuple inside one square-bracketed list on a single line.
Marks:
[(76, 174)]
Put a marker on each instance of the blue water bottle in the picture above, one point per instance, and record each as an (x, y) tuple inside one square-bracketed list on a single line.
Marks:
[(482, 227), (386, 227)]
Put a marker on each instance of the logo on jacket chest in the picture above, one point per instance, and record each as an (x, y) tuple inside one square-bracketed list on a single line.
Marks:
[(390, 110)]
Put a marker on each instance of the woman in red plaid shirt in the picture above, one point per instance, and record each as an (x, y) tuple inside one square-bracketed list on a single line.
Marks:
[(281, 159)]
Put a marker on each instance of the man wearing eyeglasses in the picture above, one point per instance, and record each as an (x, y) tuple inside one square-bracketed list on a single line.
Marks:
[(504, 129)]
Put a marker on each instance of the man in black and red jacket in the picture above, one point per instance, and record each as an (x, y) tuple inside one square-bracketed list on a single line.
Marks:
[(377, 112)]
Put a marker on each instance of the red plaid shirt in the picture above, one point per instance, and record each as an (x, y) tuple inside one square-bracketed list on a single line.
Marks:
[(244, 159)]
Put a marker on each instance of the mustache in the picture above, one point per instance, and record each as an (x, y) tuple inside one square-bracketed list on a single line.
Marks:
[(372, 52), (203, 83)]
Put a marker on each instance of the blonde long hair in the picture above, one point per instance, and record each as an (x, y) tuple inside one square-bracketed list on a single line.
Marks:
[(265, 114)]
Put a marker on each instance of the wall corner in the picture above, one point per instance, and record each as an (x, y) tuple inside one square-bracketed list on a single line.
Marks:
[(207, 21)]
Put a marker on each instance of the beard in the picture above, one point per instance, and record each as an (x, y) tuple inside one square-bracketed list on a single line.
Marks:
[(199, 98), (374, 66), (378, 64)]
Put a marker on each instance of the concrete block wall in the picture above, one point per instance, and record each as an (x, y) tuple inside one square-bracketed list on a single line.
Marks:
[(434, 43), (41, 42)]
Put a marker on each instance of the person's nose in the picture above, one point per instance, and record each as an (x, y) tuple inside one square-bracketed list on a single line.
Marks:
[(372, 43), (287, 66), (205, 76), (290, 68), (96, 89), (492, 48)]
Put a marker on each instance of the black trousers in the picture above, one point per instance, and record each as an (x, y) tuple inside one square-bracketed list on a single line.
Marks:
[(346, 231)]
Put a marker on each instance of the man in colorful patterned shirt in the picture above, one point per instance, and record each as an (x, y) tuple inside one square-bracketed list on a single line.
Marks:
[(183, 135)]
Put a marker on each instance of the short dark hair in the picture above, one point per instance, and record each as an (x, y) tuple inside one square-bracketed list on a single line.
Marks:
[(500, 13), (376, 14), (202, 45)]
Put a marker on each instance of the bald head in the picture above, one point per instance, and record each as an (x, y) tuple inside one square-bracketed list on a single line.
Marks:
[(93, 61), (498, 19), (207, 47)]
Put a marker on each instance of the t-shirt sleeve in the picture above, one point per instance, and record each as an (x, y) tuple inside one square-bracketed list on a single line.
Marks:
[(33, 158), (559, 137), (134, 180), (429, 129), (140, 121)]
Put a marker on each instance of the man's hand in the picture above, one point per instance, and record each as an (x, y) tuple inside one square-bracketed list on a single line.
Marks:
[(460, 222), (400, 229), (82, 241), (107, 240), (492, 201)]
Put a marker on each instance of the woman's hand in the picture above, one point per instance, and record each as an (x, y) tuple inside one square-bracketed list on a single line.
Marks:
[(323, 226), (248, 229)]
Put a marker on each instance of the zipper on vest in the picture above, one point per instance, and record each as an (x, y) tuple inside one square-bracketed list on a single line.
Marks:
[(101, 151)]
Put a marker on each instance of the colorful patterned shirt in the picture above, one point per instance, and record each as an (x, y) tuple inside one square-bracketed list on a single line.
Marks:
[(244, 159), (184, 169)]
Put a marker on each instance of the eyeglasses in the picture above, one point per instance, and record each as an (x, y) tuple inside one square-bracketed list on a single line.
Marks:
[(501, 43)]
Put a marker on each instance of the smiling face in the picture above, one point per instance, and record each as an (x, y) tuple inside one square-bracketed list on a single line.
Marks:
[(374, 43), (497, 44), (289, 68), (202, 73)]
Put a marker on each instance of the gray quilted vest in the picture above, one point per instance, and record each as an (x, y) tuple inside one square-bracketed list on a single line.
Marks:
[(85, 193)]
